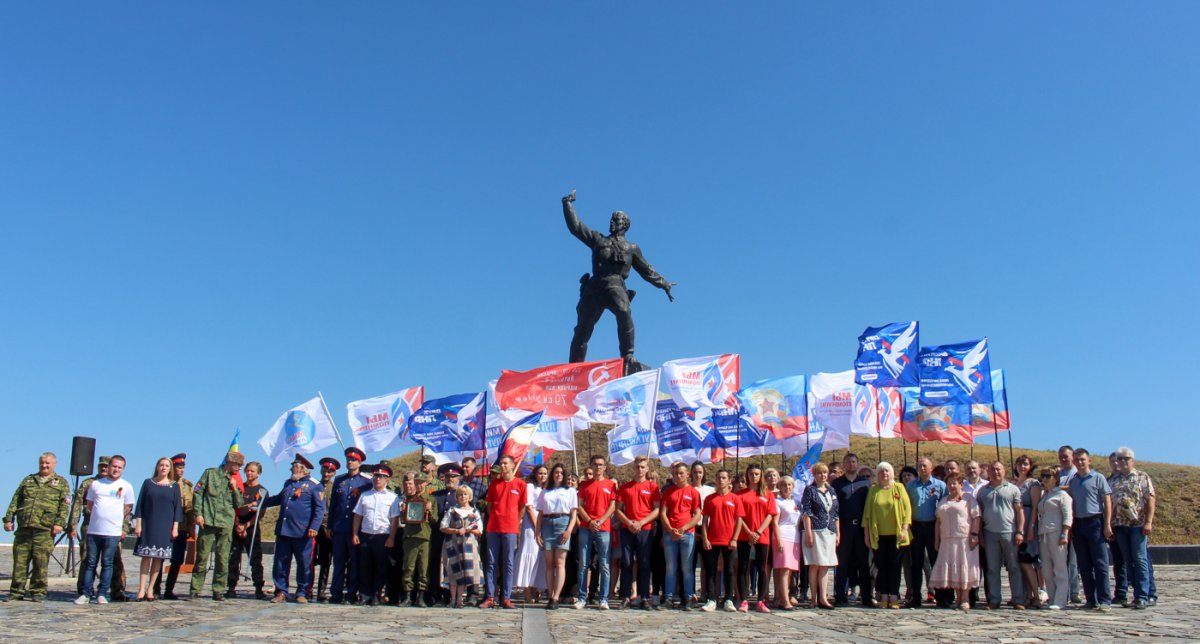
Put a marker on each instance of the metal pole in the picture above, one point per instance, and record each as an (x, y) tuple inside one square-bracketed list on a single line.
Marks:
[(878, 430), (995, 432), (333, 424)]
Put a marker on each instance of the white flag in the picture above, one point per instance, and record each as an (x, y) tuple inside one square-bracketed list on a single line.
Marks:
[(623, 402), (381, 423), (306, 428), (711, 381), (875, 411), (830, 407), (627, 442)]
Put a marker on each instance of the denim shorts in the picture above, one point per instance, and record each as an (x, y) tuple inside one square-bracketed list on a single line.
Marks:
[(552, 530)]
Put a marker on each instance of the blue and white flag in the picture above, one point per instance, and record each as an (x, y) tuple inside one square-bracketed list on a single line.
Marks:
[(672, 436), (304, 429), (451, 427), (887, 355), (802, 472), (623, 402), (956, 374), (711, 381), (627, 442), (380, 424)]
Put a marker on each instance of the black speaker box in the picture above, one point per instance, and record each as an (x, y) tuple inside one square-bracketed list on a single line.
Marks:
[(83, 455)]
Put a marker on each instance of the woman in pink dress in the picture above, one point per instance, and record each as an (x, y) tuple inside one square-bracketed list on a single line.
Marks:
[(957, 542), (787, 542)]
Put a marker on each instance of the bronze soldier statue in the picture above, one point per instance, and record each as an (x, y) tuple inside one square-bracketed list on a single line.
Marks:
[(604, 288)]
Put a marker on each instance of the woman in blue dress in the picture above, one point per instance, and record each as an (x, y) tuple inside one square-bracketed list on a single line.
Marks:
[(156, 523)]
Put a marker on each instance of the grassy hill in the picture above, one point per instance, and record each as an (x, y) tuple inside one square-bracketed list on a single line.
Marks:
[(1177, 486)]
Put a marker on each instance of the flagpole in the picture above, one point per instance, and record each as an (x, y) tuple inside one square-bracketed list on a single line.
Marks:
[(330, 417), (878, 430), (904, 446), (917, 458), (996, 432)]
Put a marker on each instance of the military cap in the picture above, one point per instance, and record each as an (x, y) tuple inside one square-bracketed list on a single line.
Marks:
[(331, 462), (303, 461), (421, 478), (496, 470), (383, 469), (356, 454), (452, 469), (428, 458), (104, 460), (237, 458), (179, 458)]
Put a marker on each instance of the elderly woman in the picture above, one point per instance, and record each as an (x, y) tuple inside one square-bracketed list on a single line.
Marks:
[(1053, 529), (787, 542), (819, 509), (957, 543), (886, 522)]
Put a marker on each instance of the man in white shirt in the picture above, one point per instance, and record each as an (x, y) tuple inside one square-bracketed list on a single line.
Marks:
[(376, 519), (110, 501)]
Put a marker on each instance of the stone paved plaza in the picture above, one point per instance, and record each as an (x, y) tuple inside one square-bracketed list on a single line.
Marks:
[(1176, 617)]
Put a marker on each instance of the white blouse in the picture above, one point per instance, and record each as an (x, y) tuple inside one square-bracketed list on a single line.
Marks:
[(560, 500)]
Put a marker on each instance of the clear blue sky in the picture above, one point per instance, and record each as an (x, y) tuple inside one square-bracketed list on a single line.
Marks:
[(211, 212)]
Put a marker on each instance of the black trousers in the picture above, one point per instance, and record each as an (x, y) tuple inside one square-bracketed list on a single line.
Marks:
[(923, 539), (373, 564), (253, 549), (854, 564), (887, 561), (636, 547), (744, 564), (712, 559), (178, 554), (395, 571)]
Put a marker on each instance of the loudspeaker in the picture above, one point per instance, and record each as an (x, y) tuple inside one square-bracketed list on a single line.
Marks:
[(83, 455)]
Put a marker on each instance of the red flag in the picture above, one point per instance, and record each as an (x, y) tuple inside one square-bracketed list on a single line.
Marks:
[(553, 388), (949, 424)]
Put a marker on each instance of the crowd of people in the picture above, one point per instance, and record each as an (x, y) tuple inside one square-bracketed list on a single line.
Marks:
[(457, 535)]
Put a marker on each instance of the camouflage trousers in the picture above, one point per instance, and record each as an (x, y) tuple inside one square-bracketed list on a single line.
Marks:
[(215, 541), (31, 556)]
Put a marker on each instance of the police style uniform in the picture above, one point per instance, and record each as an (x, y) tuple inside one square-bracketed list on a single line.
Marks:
[(342, 499), (301, 508), (216, 503), (38, 505)]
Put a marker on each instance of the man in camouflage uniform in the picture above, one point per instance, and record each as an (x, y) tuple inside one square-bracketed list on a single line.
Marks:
[(417, 533), (187, 527), (40, 507), (217, 499), (79, 511)]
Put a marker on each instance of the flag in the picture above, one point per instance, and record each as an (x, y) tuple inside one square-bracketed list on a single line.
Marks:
[(777, 405), (451, 427), (732, 433), (235, 446), (983, 416), (534, 457), (555, 433), (876, 411), (887, 355), (832, 402), (553, 388), (624, 401), (711, 381), (672, 435), (626, 442), (380, 424), (305, 428), (802, 472), (944, 424), (516, 439), (956, 374)]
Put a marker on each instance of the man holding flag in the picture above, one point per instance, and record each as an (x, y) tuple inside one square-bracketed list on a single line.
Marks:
[(217, 498)]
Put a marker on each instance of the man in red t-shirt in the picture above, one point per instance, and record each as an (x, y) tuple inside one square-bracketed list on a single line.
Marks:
[(680, 511), (597, 502), (637, 508), (722, 520), (506, 502)]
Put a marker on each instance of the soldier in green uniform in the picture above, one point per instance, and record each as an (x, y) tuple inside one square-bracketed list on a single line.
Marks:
[(429, 469), (217, 499), (418, 524), (79, 511), (40, 507)]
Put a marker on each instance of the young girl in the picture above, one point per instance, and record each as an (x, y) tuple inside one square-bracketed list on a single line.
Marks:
[(462, 526), (956, 539)]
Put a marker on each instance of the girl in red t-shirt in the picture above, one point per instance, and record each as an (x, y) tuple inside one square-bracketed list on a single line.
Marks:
[(758, 506)]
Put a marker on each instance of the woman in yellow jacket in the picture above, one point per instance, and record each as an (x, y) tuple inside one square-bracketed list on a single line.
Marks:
[(886, 522)]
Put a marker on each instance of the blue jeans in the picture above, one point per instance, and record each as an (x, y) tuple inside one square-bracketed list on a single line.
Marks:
[(1134, 564), (679, 560), (599, 541), (502, 548), (1091, 553), (101, 549)]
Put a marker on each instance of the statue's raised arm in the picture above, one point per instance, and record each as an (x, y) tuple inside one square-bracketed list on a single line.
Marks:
[(577, 228)]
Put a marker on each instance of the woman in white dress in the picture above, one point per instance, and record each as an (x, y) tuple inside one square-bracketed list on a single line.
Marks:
[(819, 509), (786, 558), (531, 563)]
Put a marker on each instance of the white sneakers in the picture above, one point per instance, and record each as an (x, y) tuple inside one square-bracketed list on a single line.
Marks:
[(81, 600), (709, 606), (603, 604), (102, 600), (729, 607), (580, 604)]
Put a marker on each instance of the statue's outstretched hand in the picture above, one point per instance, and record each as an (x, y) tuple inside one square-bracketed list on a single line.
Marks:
[(670, 298), (569, 198)]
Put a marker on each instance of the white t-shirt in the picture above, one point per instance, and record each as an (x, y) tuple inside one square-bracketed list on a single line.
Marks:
[(109, 499), (559, 500)]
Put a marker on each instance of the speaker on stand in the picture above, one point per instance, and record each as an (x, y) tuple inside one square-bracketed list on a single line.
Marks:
[(83, 460)]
